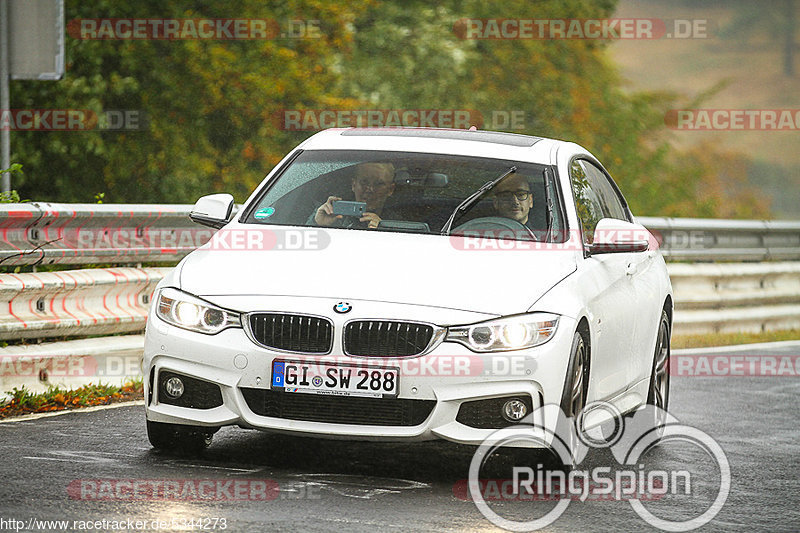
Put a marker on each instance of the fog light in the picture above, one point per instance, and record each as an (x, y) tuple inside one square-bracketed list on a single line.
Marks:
[(174, 387), (514, 410)]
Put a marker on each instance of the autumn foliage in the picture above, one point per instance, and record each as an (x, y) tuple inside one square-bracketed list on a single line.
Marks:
[(209, 106)]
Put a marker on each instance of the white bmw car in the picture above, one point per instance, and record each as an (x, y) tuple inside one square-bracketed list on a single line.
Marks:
[(408, 284)]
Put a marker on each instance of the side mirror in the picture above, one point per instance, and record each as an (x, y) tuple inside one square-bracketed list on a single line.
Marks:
[(213, 210), (616, 236)]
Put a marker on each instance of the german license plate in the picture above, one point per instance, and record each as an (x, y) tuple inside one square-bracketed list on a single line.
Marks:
[(335, 379)]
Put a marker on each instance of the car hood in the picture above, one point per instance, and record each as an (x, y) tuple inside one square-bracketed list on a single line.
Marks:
[(416, 269)]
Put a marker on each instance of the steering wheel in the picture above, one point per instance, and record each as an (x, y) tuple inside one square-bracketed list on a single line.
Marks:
[(494, 227)]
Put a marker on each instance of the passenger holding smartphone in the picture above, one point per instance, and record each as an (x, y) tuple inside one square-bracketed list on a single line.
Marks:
[(373, 184)]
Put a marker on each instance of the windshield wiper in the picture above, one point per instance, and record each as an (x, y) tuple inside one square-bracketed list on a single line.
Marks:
[(472, 199)]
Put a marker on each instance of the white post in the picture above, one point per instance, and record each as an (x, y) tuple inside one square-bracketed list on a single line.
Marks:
[(5, 146)]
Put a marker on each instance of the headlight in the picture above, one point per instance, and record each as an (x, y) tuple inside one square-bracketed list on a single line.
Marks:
[(189, 312), (503, 334)]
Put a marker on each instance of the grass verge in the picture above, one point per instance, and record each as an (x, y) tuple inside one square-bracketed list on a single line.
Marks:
[(23, 402)]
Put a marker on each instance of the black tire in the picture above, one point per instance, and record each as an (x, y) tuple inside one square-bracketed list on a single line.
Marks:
[(658, 392), (576, 386), (179, 438)]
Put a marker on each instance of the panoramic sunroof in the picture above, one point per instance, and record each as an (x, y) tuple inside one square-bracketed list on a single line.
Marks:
[(510, 139)]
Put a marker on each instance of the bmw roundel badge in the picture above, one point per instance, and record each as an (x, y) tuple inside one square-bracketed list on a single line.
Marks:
[(342, 307)]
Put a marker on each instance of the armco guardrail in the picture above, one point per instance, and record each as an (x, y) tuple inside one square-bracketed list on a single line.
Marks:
[(79, 234), (96, 301), (759, 292), (699, 239), (72, 363), (735, 297), (714, 297)]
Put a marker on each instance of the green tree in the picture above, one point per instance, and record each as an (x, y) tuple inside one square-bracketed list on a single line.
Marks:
[(211, 106), (564, 88), (208, 105)]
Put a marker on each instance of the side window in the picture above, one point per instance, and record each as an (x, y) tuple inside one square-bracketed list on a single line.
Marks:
[(590, 209), (612, 206), (595, 197)]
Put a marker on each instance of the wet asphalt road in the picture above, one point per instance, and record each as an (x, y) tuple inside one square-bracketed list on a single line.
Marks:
[(354, 486)]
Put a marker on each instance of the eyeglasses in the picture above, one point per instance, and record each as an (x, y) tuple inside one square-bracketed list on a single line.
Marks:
[(374, 185), (510, 195)]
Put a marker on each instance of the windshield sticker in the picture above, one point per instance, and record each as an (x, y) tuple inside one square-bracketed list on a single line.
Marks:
[(264, 213)]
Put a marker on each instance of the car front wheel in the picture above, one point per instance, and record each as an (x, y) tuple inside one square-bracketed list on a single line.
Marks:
[(658, 394), (573, 399)]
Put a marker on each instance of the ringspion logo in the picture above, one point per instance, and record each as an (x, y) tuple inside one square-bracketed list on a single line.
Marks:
[(627, 478)]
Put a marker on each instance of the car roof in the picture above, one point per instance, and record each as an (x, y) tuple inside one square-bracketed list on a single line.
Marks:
[(478, 143)]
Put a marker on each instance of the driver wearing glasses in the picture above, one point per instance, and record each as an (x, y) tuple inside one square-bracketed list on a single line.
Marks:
[(513, 199)]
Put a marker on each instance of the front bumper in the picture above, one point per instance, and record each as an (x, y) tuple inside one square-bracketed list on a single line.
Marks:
[(446, 377)]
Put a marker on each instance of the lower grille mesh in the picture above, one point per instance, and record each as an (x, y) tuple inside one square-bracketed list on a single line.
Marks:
[(338, 409)]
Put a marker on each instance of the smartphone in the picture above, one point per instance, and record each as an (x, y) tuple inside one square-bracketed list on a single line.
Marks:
[(349, 209)]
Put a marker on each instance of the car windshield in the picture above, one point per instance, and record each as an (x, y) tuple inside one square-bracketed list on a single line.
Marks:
[(410, 193)]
